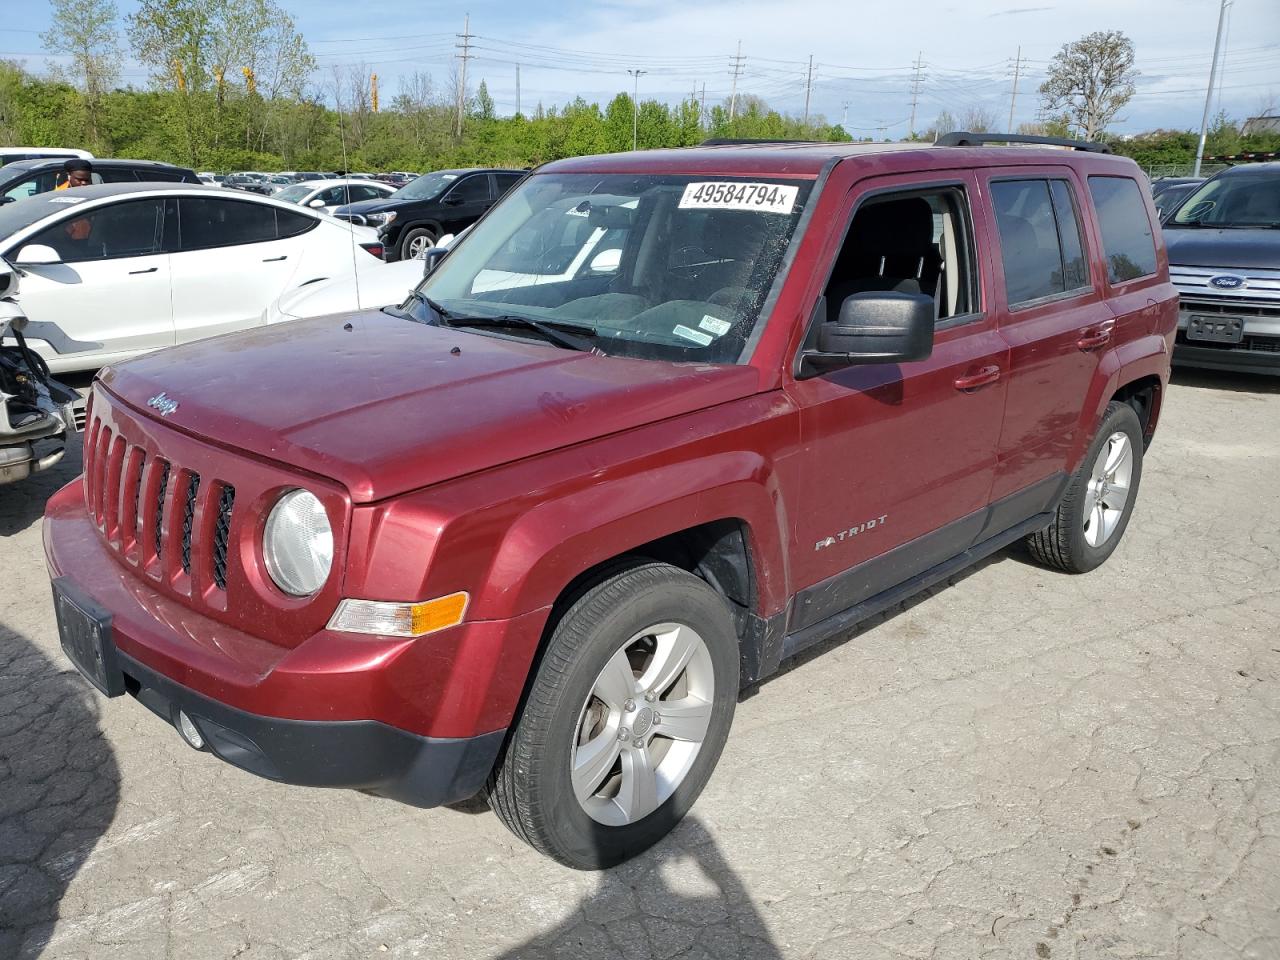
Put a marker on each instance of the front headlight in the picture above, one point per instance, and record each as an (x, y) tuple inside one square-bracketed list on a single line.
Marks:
[(297, 543), (381, 218)]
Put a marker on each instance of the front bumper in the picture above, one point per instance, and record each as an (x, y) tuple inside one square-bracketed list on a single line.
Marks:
[(420, 721), (354, 754), (1235, 359)]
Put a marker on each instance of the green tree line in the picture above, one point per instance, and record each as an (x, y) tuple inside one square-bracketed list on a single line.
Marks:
[(233, 85)]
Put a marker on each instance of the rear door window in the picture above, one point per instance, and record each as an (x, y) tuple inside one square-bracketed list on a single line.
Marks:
[(1127, 238), (1039, 240), (213, 222), (290, 224)]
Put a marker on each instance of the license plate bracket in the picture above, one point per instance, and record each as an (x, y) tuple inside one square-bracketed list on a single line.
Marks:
[(1216, 329), (84, 629)]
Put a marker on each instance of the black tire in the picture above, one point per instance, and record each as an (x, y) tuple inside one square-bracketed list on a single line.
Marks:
[(530, 789), (416, 234), (1063, 544)]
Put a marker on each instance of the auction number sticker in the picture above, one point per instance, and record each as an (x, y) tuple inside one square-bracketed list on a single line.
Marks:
[(766, 197)]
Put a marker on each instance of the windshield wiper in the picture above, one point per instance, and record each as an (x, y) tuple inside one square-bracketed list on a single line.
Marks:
[(547, 330)]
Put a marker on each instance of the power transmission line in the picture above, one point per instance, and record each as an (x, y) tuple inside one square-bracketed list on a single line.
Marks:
[(915, 92), (1013, 96), (808, 90), (465, 47), (737, 68)]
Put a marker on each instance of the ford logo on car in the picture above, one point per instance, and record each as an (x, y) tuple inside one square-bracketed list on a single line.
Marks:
[(165, 405), (1227, 281)]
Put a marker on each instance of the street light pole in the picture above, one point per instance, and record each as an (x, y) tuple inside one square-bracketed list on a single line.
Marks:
[(635, 104), (1208, 97)]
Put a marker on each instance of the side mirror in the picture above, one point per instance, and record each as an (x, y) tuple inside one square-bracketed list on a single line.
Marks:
[(452, 200), (316, 204), (34, 254), (875, 327), (447, 240), (431, 258)]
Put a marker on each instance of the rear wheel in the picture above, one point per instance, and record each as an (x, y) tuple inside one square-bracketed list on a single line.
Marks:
[(1099, 500), (416, 242), (626, 718)]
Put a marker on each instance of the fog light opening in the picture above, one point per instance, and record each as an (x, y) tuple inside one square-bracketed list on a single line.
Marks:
[(189, 731)]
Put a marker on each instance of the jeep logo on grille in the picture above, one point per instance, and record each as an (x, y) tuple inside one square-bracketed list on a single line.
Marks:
[(1227, 281), (163, 404)]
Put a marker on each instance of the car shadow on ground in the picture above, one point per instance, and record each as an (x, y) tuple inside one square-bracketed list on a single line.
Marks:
[(59, 789), (680, 898), (1225, 380)]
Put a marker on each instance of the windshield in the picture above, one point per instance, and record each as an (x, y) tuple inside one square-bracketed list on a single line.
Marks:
[(1236, 200), (426, 186), (662, 267), (295, 194)]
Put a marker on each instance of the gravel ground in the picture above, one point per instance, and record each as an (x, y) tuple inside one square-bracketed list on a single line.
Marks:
[(1023, 764)]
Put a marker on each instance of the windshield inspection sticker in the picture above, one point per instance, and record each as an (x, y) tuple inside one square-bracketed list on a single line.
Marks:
[(765, 197), (715, 325), (697, 336)]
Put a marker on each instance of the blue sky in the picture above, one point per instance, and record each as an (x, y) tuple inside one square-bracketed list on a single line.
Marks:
[(863, 60)]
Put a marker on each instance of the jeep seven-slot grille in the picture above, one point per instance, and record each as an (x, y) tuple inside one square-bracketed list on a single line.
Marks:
[(129, 493)]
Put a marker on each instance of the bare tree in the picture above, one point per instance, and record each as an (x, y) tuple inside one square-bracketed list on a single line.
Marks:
[(85, 30), (977, 119), (1091, 79)]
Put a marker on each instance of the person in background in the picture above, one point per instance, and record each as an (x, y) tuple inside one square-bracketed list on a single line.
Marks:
[(79, 174)]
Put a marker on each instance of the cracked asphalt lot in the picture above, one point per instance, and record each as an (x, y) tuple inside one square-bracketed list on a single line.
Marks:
[(1022, 764)]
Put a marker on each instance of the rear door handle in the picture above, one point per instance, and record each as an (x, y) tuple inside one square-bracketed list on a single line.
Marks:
[(275, 259), (134, 273), (972, 381), (1094, 337)]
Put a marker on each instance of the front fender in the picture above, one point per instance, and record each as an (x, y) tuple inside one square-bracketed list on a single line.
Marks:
[(556, 541)]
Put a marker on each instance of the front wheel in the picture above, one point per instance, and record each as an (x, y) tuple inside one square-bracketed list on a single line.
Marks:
[(1099, 500), (625, 720)]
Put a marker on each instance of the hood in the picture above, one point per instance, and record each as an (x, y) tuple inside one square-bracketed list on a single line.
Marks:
[(381, 284), (387, 407), (1238, 249), (379, 205)]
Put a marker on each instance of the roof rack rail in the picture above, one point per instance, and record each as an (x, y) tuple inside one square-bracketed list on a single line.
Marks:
[(740, 141), (962, 138)]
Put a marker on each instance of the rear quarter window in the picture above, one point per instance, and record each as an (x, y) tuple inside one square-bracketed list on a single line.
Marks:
[(1128, 240)]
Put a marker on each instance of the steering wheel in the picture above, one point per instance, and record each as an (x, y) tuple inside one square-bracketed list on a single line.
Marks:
[(687, 262)]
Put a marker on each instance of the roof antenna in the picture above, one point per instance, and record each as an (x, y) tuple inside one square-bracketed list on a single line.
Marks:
[(342, 138)]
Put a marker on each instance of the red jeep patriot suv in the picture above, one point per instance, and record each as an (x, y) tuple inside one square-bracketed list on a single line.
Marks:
[(658, 422)]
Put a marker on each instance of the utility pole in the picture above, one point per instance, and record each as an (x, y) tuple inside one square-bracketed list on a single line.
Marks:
[(737, 68), (517, 89), (915, 93), (808, 89), (1208, 97), (844, 117), (702, 109), (1013, 96), (373, 88), (465, 47), (635, 104)]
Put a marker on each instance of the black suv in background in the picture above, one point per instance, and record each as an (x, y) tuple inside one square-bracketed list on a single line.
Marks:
[(1224, 258), (423, 210), (26, 178)]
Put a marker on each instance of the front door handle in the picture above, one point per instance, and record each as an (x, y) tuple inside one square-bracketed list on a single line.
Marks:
[(275, 259), (134, 273), (1094, 337), (988, 374)]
